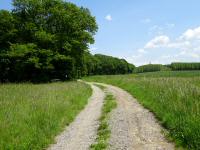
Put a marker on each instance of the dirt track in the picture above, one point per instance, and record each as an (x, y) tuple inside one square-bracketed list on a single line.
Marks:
[(132, 126), (80, 134)]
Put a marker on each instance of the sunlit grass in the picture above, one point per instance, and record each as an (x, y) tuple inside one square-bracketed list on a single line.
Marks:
[(174, 100), (170, 74), (31, 115), (104, 132)]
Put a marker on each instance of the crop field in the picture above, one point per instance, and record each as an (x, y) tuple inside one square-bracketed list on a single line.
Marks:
[(174, 98), (31, 115)]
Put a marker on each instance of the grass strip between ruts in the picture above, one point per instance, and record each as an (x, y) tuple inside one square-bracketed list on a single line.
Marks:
[(104, 132)]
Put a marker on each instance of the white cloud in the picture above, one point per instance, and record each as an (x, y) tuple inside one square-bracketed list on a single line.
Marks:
[(108, 17), (179, 44), (164, 50), (191, 34), (158, 41)]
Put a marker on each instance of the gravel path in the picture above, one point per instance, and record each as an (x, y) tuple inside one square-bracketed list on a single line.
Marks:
[(80, 134), (133, 127)]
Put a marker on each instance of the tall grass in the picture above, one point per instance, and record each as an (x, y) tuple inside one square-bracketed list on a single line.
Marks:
[(175, 101), (189, 74), (31, 115)]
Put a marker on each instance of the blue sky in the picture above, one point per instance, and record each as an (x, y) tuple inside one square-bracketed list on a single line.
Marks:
[(144, 31)]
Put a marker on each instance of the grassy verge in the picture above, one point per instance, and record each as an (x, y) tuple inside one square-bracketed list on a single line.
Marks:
[(32, 115), (184, 74), (103, 131), (174, 100)]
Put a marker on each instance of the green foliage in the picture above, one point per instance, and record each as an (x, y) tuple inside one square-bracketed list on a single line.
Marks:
[(91, 64), (43, 40), (151, 68), (174, 100), (102, 64), (64, 67), (31, 115), (48, 39), (103, 130), (27, 62), (7, 29), (148, 68), (60, 33), (173, 66), (185, 66)]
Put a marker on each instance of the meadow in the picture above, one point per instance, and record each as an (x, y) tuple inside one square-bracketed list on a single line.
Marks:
[(31, 115), (174, 98)]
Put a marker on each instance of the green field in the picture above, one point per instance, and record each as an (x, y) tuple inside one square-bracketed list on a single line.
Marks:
[(170, 74), (174, 97), (31, 115)]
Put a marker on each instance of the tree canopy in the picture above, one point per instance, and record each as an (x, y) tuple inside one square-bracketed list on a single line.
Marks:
[(45, 39), (101, 64)]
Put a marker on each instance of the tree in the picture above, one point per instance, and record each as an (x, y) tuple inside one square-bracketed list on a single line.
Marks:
[(7, 29), (60, 32), (56, 25), (102, 64), (46, 39)]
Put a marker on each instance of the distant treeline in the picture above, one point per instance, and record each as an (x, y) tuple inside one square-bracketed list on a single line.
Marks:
[(151, 68), (49, 39), (185, 66), (102, 64), (173, 66)]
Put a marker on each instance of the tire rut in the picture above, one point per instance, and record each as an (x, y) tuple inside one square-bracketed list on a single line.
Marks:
[(132, 126), (81, 133)]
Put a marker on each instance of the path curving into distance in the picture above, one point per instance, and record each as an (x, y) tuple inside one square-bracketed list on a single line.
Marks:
[(81, 133), (132, 126)]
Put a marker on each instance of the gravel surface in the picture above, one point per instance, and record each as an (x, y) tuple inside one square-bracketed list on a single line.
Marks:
[(81, 133), (133, 127)]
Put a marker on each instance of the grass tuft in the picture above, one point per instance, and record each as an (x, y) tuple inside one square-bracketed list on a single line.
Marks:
[(103, 131)]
